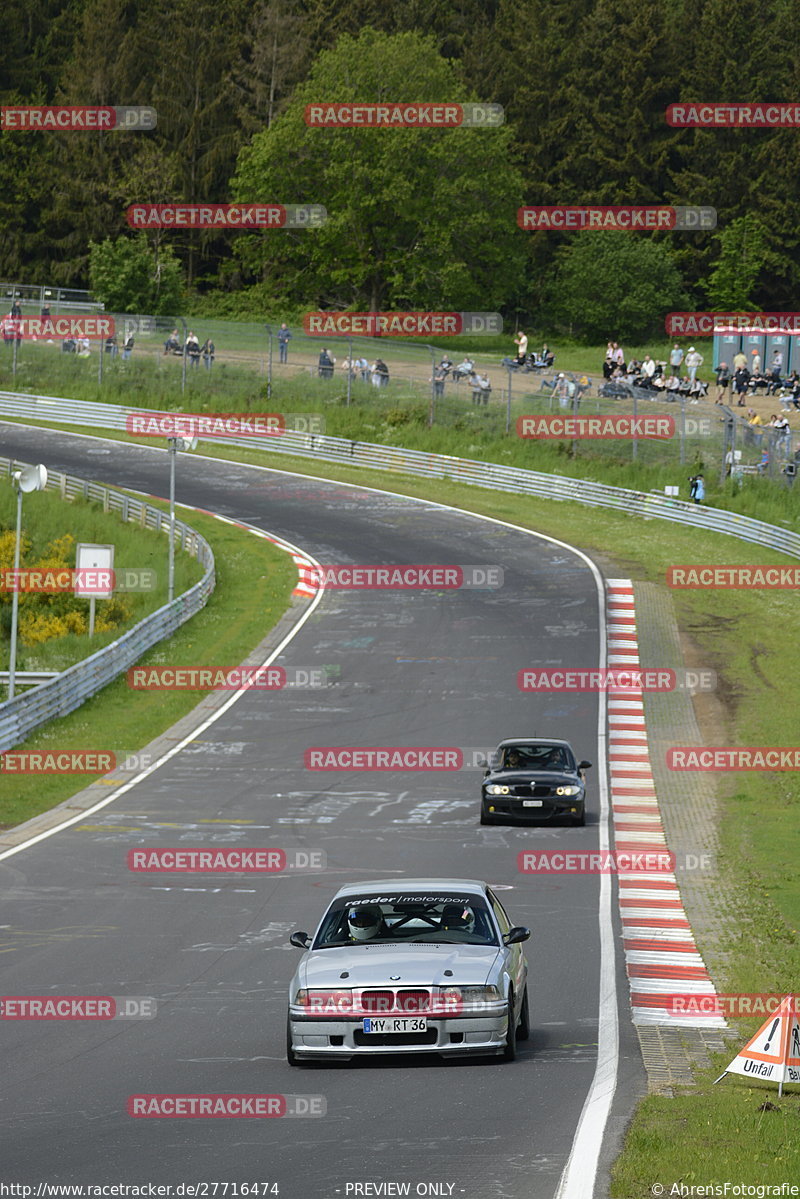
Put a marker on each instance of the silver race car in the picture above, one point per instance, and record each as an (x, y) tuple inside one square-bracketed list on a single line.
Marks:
[(418, 966)]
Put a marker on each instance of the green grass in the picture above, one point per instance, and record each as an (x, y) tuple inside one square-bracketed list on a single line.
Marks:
[(120, 720), (46, 517)]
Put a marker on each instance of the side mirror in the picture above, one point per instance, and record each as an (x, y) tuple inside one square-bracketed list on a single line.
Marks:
[(516, 935), (584, 765), (300, 940), (481, 761)]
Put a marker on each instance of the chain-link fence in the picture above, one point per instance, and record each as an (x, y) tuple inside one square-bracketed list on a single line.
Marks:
[(359, 385)]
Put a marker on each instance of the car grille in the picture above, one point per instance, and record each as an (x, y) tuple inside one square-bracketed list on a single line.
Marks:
[(407, 1002)]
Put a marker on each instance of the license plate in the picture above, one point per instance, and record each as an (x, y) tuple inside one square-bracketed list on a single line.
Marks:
[(390, 1024), (532, 803)]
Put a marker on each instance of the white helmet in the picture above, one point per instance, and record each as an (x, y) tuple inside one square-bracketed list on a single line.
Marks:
[(364, 922)]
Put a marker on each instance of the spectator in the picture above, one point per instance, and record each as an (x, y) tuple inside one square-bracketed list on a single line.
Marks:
[(16, 311), (561, 390), (362, 365), (172, 345), (776, 366), (741, 378), (781, 426), (676, 357), (648, 370), (694, 359), (326, 364), (208, 353), (348, 366), (127, 347), (672, 386), (464, 369), (438, 381), (723, 381), (618, 354), (481, 388), (45, 313), (697, 490), (446, 362), (739, 361), (755, 367), (521, 342), (284, 334), (192, 349), (111, 346), (380, 371), (83, 347)]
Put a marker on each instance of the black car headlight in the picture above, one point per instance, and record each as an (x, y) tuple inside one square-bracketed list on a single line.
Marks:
[(497, 789), (568, 790)]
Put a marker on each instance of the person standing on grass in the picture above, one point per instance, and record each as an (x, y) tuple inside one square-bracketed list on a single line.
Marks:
[(284, 334), (676, 359), (694, 359), (723, 381), (521, 342), (697, 491)]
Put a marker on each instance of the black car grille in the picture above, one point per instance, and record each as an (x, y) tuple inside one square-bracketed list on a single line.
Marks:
[(542, 791)]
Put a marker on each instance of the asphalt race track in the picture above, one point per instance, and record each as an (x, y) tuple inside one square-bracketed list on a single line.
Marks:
[(416, 668)]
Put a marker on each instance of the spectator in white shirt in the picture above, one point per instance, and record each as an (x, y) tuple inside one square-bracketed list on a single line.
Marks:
[(693, 361)]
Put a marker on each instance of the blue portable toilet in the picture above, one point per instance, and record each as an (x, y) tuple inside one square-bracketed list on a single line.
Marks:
[(754, 341), (725, 346), (783, 343)]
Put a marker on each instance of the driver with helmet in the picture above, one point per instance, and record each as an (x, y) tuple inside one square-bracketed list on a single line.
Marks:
[(365, 923), (457, 918)]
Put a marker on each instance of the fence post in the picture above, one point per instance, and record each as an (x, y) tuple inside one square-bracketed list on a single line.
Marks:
[(349, 370), (635, 440), (183, 355)]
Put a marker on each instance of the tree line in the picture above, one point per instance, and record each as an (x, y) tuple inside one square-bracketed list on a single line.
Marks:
[(417, 219)]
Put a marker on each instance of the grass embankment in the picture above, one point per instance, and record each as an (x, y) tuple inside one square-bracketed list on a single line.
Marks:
[(120, 720), (45, 519)]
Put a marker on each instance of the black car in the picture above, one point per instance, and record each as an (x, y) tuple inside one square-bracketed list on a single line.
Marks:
[(533, 779)]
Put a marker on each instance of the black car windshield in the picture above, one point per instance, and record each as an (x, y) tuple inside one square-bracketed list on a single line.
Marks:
[(436, 918), (530, 756)]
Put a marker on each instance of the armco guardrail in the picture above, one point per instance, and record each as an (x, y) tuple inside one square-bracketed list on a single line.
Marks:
[(68, 690), (649, 505)]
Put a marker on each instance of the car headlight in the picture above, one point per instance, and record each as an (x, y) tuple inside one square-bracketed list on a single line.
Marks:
[(496, 789), (325, 1003), (568, 790), (457, 999)]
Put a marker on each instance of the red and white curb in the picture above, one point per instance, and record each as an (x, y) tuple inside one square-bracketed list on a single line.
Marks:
[(661, 956), (307, 577)]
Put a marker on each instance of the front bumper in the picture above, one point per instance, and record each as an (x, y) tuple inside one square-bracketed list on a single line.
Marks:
[(344, 1038), (551, 809)]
